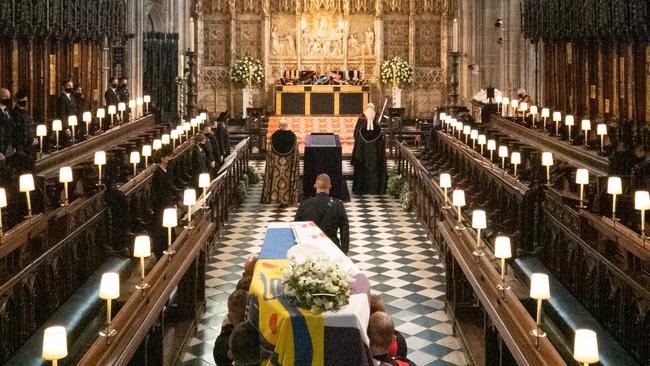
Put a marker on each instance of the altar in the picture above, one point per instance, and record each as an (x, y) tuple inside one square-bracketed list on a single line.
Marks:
[(330, 100)]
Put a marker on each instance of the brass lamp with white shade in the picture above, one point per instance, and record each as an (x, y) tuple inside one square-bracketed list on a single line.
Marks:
[(505, 102), (146, 100), (26, 185), (458, 200), (174, 136), (138, 103), (187, 127), (156, 144), (142, 250), (557, 118), (41, 131), (55, 344), (601, 130), (569, 122), (533, 112), (109, 290), (3, 204), (100, 159), (467, 130), (146, 153), (442, 117), (121, 107), (204, 183), (540, 291), (72, 122), (101, 114), (479, 222), (582, 178), (180, 131), (481, 142), (189, 200), (445, 183), (204, 117), (473, 135), (65, 177), (57, 127), (194, 124), (614, 187), (134, 159), (547, 161), (503, 154), (514, 103), (515, 159), (112, 110), (132, 109), (498, 100), (545, 114), (87, 117), (170, 220), (503, 251), (523, 107), (459, 128), (585, 126), (491, 146), (585, 347), (164, 139), (642, 203)]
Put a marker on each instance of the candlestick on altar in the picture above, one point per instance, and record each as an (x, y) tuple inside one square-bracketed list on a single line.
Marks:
[(363, 61)]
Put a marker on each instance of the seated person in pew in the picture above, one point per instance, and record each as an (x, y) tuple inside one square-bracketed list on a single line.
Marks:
[(398, 347), (326, 212), (381, 332), (236, 313)]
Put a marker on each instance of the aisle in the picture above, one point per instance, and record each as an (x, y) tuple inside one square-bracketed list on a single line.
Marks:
[(386, 242)]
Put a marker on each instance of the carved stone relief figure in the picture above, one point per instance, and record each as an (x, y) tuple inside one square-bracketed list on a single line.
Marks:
[(275, 41), (370, 42)]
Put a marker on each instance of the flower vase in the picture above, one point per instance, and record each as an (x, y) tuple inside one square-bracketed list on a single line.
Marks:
[(397, 97)]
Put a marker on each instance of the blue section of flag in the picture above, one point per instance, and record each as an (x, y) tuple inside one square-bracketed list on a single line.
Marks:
[(276, 243), (302, 347)]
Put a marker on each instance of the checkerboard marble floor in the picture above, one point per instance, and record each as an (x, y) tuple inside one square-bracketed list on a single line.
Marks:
[(387, 243)]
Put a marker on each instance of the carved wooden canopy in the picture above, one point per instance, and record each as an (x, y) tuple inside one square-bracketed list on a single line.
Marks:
[(314, 6)]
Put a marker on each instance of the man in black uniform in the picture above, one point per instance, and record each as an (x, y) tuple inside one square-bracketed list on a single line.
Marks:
[(110, 96), (327, 212)]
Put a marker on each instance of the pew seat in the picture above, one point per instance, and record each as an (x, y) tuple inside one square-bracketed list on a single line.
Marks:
[(83, 310), (568, 314)]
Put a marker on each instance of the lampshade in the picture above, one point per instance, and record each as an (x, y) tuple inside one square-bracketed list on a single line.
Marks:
[(204, 180), (121, 106), (187, 126), (101, 113), (100, 157), (131, 103), (479, 221), (169, 218), (57, 125), (180, 130), (467, 130), (204, 116), (72, 120), (533, 109), (539, 287), (503, 151), (459, 126), (473, 134), (55, 343), (523, 106), (442, 116), (189, 197), (498, 99), (502, 247), (585, 125), (193, 122), (514, 103), (173, 134), (547, 158), (445, 180), (491, 145), (458, 197), (165, 139), (109, 287), (601, 129), (142, 246), (614, 185), (156, 144), (582, 176), (26, 183), (134, 157), (111, 109), (585, 346), (641, 200), (515, 158), (3, 198), (146, 150), (87, 117), (557, 116), (546, 112), (568, 120), (505, 100), (65, 174), (481, 139), (41, 130), (147, 98), (138, 101)]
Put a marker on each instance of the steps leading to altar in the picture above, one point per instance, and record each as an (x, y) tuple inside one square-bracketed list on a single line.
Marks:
[(304, 125)]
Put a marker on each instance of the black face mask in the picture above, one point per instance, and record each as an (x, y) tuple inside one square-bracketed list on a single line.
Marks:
[(68, 90), (122, 86), (22, 103), (114, 86), (6, 102)]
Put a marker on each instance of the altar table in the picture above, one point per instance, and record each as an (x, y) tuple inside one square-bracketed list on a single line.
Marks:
[(297, 336)]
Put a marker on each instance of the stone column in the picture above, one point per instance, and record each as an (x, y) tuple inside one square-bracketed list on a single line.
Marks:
[(135, 25)]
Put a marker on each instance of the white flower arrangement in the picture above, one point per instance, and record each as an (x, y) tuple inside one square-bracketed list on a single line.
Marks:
[(396, 72), (247, 71), (316, 284)]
